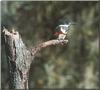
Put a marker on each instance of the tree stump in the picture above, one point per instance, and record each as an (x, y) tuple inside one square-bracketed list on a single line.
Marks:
[(19, 58)]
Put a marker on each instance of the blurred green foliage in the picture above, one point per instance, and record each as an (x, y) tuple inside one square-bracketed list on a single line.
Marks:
[(72, 66)]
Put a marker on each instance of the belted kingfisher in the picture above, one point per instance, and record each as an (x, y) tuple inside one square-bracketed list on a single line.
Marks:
[(62, 30)]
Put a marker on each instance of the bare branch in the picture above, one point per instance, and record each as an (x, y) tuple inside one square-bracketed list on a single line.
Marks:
[(37, 48)]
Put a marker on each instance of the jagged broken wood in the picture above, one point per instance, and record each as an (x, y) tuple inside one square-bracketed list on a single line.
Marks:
[(19, 58)]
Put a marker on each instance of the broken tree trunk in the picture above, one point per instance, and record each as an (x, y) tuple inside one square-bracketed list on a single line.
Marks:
[(19, 58)]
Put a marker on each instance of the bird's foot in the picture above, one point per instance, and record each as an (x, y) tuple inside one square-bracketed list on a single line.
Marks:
[(61, 41)]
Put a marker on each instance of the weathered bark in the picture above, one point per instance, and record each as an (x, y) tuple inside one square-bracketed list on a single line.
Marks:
[(19, 58), (40, 46)]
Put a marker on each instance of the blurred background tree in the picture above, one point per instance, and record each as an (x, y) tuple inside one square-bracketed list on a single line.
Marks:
[(73, 66)]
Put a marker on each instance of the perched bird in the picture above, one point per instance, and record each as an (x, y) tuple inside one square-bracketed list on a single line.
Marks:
[(62, 31)]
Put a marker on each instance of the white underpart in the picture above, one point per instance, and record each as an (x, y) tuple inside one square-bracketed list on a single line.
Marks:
[(64, 28), (61, 36)]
